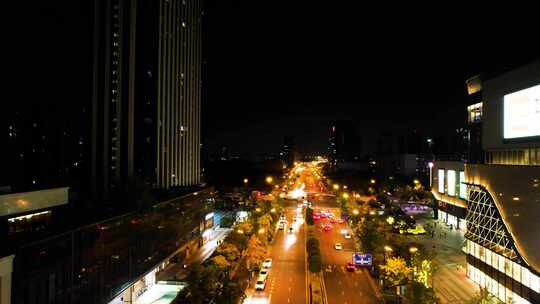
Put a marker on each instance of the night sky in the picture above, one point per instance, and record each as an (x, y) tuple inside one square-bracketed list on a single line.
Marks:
[(289, 68)]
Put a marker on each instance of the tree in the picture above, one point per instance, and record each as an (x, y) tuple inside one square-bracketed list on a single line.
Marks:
[(309, 216), (418, 293), (255, 253), (314, 255), (221, 262), (396, 272), (202, 285), (315, 263), (229, 251), (227, 222), (483, 297), (368, 235)]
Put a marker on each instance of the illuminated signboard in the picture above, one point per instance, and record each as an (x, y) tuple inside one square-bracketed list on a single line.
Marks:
[(522, 113), (441, 180), (462, 186), (451, 178)]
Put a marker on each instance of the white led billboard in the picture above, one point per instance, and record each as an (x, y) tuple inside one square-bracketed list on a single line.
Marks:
[(451, 179), (441, 181), (522, 113)]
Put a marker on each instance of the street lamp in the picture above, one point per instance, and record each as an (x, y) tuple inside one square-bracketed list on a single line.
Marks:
[(413, 250), (388, 248), (372, 181), (355, 212), (345, 196), (273, 210), (269, 179), (336, 187), (246, 180)]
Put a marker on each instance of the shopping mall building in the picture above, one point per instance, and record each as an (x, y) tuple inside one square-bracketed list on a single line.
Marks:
[(495, 202)]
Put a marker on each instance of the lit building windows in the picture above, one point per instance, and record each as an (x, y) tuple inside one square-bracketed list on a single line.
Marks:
[(462, 186), (474, 113), (441, 180), (451, 178)]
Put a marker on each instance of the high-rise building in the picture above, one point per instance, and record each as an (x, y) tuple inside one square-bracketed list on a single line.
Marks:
[(146, 105), (169, 77), (288, 151), (113, 96), (345, 143)]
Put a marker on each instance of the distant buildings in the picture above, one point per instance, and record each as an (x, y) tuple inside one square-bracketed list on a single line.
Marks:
[(288, 151), (494, 198), (344, 142)]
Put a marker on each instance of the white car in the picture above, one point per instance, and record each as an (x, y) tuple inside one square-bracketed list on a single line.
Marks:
[(348, 236), (261, 283), (338, 246), (267, 263), (264, 273)]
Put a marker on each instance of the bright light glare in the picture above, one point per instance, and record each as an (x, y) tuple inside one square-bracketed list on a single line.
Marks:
[(297, 193), (290, 240)]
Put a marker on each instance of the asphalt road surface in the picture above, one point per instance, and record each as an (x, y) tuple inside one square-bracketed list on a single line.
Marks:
[(286, 282), (342, 287)]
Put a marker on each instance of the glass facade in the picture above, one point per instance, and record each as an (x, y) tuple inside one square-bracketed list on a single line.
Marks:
[(95, 263), (507, 280)]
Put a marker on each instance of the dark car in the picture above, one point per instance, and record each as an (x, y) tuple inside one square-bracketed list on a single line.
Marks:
[(350, 267)]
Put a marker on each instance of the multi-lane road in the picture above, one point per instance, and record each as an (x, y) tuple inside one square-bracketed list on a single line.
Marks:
[(342, 286), (287, 278)]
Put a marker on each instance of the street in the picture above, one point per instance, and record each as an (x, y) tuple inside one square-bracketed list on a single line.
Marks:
[(341, 286), (287, 278)]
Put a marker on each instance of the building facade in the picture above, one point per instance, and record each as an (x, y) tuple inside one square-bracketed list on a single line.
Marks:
[(177, 93), (344, 142), (502, 193), (146, 107)]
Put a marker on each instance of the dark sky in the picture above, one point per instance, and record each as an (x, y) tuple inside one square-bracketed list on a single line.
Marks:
[(289, 69)]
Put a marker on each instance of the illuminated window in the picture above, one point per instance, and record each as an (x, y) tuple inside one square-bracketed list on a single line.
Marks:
[(474, 113), (462, 186), (441, 180), (451, 187)]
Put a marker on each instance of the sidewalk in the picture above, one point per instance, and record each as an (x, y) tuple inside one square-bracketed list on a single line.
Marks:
[(450, 280), (176, 271)]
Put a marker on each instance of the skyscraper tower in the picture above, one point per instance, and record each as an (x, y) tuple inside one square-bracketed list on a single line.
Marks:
[(146, 104), (168, 149)]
